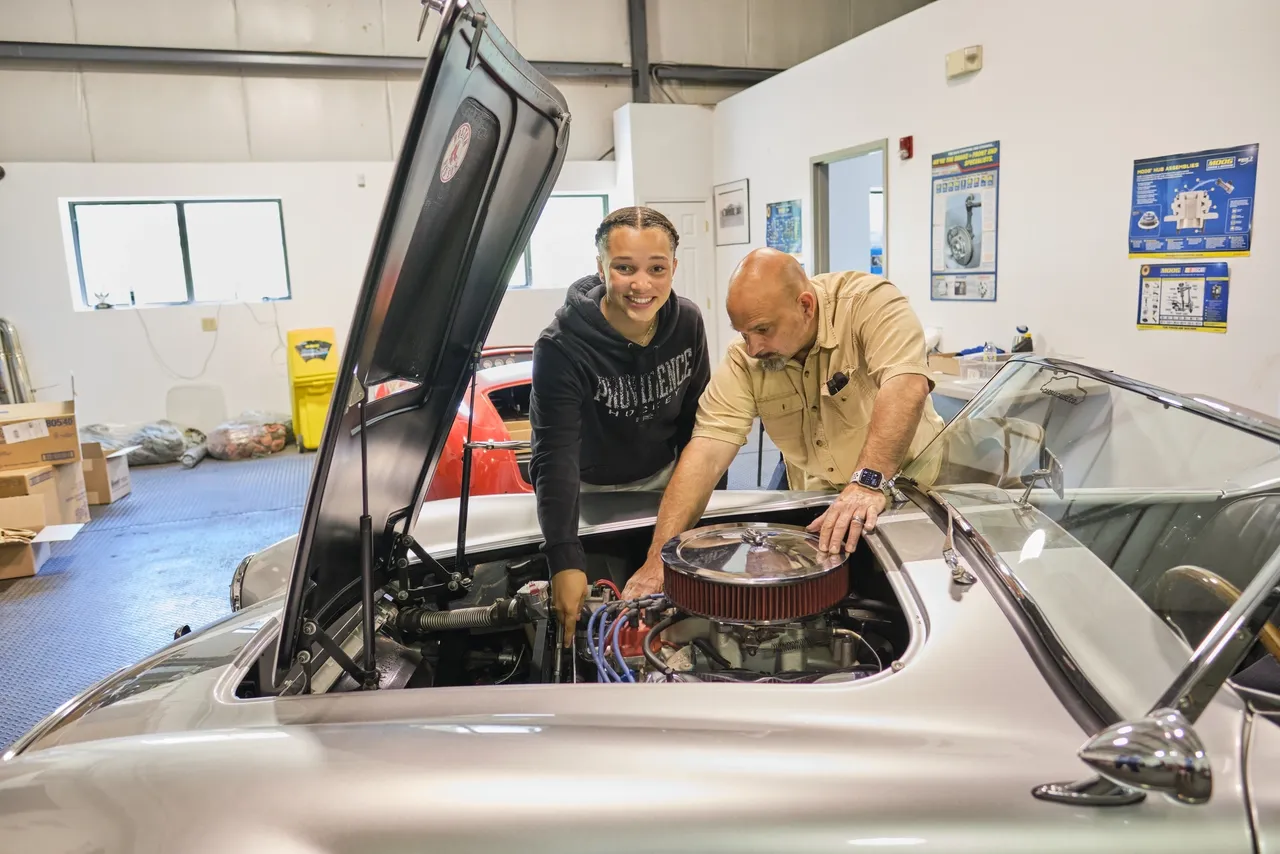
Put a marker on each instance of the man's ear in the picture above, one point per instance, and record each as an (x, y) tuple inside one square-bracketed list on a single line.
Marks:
[(600, 269), (808, 304)]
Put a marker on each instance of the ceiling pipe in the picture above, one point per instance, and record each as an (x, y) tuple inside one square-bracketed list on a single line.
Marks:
[(41, 54)]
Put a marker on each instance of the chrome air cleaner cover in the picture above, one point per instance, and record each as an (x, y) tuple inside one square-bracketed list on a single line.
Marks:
[(753, 572)]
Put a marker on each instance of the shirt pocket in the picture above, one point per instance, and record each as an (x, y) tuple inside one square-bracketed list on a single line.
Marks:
[(783, 419), (852, 404)]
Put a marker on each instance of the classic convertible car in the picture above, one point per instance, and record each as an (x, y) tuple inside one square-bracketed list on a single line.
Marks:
[(1059, 638)]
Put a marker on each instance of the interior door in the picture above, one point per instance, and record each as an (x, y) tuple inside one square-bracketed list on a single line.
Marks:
[(695, 275)]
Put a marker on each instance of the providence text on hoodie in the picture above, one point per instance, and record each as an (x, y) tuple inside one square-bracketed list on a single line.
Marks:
[(605, 410)]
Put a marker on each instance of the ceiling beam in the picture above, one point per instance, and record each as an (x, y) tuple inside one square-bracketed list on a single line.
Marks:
[(41, 54), (638, 34)]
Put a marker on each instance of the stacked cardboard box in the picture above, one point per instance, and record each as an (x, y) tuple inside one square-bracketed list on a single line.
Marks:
[(43, 498)]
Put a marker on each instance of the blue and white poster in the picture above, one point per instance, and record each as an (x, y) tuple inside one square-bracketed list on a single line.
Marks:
[(1184, 296), (1197, 204), (966, 192), (782, 227)]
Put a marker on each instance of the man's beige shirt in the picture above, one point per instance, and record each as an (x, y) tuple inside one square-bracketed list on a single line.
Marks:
[(867, 331)]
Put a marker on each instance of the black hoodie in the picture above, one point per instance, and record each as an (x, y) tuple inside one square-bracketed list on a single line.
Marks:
[(605, 410)]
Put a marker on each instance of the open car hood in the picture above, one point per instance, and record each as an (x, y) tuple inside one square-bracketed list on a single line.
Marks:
[(481, 153)]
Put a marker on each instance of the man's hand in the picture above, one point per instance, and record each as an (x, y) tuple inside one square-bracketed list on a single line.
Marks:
[(568, 592), (647, 579), (849, 517)]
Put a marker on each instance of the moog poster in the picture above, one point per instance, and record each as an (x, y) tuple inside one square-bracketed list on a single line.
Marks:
[(1197, 204)]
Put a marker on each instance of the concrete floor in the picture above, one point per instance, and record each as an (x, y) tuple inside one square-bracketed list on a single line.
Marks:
[(159, 558)]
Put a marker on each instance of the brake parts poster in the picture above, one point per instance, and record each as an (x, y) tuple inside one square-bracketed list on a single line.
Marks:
[(1184, 296), (966, 190), (1197, 204)]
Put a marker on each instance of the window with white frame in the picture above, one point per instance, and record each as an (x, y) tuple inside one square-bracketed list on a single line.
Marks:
[(146, 252), (562, 247)]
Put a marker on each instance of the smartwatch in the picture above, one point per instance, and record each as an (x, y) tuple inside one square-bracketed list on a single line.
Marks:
[(869, 478)]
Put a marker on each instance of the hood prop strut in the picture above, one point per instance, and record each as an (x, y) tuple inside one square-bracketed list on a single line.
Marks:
[(464, 497), (370, 675)]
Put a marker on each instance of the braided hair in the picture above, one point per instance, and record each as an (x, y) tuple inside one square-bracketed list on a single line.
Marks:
[(636, 216)]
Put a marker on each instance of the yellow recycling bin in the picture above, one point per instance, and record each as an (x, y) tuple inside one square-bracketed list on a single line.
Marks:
[(313, 370)]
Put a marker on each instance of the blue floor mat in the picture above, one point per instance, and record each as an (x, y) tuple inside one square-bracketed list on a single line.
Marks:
[(159, 558)]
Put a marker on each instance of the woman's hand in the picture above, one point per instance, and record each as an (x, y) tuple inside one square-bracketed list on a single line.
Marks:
[(568, 592)]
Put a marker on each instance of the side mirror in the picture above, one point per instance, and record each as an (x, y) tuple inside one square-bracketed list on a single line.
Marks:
[(1052, 470), (1158, 753)]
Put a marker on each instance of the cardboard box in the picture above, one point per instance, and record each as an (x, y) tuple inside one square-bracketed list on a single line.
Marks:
[(951, 363), (34, 434), (106, 476), (40, 481), (73, 498), (27, 513)]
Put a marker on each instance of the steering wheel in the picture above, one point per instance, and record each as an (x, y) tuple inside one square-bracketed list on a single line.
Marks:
[(1198, 579)]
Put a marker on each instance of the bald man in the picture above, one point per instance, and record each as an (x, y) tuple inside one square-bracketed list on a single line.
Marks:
[(836, 368)]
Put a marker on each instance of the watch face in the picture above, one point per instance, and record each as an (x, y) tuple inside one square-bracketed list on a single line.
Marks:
[(870, 478)]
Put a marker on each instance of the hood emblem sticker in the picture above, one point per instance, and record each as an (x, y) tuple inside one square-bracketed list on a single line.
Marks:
[(455, 153)]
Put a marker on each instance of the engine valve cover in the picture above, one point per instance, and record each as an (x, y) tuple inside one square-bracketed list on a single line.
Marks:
[(753, 573)]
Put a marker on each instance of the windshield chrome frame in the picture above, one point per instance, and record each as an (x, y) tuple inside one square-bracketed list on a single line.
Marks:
[(1216, 658)]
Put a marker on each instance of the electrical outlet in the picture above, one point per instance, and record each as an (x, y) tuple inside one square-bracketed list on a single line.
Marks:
[(209, 324)]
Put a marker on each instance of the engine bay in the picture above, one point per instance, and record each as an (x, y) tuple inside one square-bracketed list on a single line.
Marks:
[(742, 601)]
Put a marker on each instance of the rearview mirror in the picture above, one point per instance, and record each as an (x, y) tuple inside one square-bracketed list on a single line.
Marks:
[(1052, 471)]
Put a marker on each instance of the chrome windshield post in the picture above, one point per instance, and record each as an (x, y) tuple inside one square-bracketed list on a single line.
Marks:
[(1161, 752)]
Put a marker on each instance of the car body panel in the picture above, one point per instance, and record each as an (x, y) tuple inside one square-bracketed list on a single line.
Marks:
[(944, 750), (1263, 734)]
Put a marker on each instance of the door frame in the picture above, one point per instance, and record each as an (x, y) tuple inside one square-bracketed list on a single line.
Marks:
[(713, 332), (819, 176)]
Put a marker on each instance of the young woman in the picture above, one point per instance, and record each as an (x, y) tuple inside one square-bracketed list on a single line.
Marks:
[(616, 381)]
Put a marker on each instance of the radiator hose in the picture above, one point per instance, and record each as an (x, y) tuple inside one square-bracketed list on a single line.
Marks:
[(504, 612)]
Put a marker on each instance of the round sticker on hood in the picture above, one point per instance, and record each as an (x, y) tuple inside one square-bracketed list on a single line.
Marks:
[(455, 153)]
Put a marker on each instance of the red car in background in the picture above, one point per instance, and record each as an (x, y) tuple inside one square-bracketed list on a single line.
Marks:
[(503, 383)]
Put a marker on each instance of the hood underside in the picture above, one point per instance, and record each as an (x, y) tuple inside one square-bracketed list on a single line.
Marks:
[(483, 147)]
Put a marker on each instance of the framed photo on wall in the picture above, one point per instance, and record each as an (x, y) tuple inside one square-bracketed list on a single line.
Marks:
[(733, 213)]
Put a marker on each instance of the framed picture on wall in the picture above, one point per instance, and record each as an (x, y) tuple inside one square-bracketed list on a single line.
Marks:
[(733, 213)]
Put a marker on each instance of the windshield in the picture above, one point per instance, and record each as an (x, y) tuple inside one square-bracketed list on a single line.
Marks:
[(1158, 517)]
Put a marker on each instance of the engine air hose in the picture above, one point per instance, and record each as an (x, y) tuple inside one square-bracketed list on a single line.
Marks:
[(649, 654), (500, 613)]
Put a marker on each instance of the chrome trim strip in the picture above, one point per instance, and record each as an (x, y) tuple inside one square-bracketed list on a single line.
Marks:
[(1101, 713)]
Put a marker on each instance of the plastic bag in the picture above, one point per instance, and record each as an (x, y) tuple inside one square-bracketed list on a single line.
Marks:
[(257, 416), (192, 456), (246, 439), (158, 443)]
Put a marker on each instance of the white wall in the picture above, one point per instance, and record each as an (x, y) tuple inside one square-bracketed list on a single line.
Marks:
[(329, 226), (1061, 90), (849, 186)]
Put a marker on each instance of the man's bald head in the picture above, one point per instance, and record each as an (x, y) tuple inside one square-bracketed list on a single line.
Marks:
[(773, 306), (770, 274)]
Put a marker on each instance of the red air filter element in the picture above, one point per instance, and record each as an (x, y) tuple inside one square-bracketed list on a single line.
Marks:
[(753, 572)]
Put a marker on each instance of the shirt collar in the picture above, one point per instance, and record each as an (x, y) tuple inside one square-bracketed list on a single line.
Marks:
[(827, 337)]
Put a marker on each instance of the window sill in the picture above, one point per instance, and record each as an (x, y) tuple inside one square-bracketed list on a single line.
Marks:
[(209, 304)]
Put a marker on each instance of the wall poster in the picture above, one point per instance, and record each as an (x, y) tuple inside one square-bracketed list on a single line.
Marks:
[(782, 229), (966, 191), (1184, 296), (1197, 204), (733, 213)]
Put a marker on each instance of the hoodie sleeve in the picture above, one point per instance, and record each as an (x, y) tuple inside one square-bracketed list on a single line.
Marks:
[(555, 416), (697, 383)]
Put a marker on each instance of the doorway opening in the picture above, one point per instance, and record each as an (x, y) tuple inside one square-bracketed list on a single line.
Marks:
[(851, 209)]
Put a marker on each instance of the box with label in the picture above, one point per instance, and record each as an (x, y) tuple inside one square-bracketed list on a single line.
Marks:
[(26, 535), (106, 476), (33, 434)]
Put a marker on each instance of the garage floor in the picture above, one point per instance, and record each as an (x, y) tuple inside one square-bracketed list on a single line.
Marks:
[(157, 559)]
